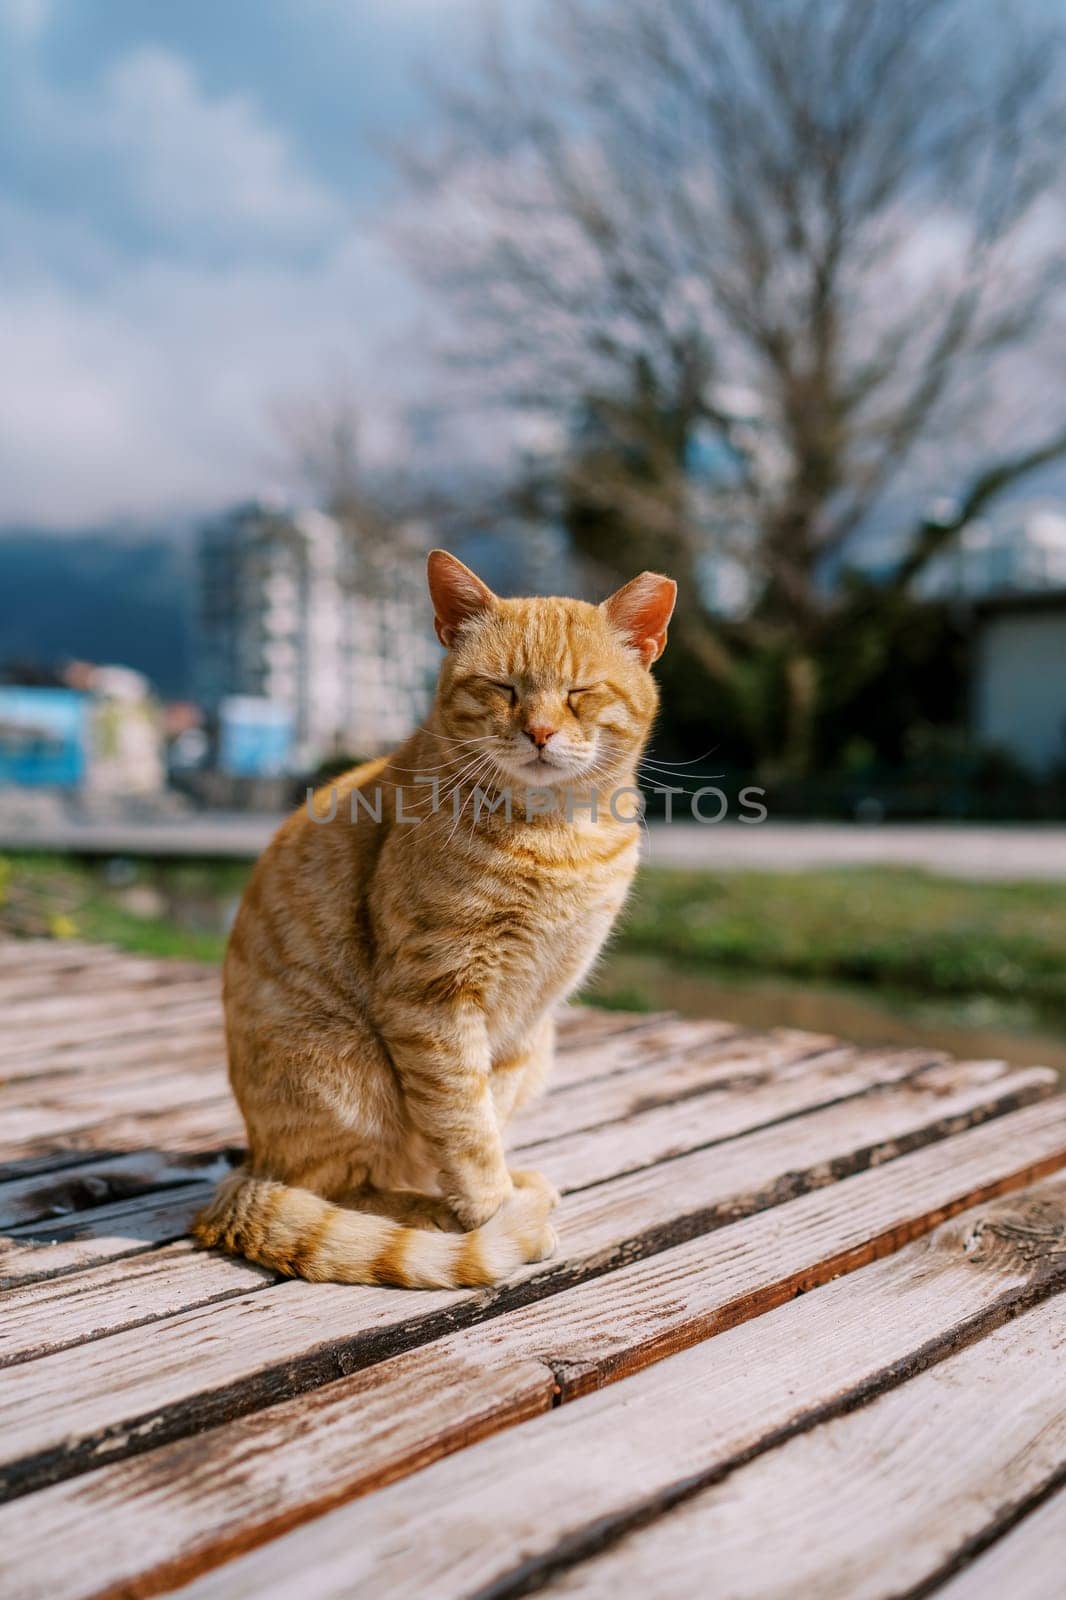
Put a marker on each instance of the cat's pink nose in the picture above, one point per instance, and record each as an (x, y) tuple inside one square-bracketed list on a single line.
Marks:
[(540, 735)]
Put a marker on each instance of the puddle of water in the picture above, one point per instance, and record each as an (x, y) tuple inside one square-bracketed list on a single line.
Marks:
[(971, 1029)]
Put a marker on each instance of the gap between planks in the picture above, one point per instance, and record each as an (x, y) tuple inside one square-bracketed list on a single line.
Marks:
[(1024, 1564)]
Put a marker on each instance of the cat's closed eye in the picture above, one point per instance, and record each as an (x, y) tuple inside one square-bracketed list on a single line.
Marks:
[(587, 688), (505, 688)]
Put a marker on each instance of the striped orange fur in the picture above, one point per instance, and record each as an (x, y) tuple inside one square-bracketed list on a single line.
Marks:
[(389, 984)]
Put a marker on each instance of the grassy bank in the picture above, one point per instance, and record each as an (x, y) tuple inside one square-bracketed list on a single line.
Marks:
[(897, 929), (160, 909), (900, 930)]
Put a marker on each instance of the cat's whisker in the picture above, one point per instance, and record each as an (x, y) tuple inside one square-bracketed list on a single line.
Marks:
[(454, 780), (447, 738), (662, 773), (440, 804), (437, 766), (471, 777), (427, 799), (474, 782), (470, 773), (650, 761)]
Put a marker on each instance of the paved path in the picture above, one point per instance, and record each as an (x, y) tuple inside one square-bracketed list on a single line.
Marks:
[(958, 849), (227, 834)]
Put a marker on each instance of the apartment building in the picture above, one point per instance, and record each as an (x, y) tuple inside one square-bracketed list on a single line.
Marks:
[(289, 614)]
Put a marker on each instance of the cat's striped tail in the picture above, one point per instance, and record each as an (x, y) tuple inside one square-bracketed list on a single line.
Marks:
[(299, 1233)]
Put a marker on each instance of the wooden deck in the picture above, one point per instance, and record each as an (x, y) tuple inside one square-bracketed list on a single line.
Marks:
[(805, 1334)]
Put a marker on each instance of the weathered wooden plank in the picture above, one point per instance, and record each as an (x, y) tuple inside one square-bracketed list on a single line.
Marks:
[(435, 1403), (870, 1505), (504, 1514), (585, 1028), (185, 1507), (28, 985), (128, 1292), (203, 1044), (92, 1098), (1025, 1564), (30, 1255), (17, 955), (27, 1019), (578, 1061), (140, 1023), (729, 1107), (578, 1025), (43, 1128), (747, 1065), (56, 1313), (81, 1406)]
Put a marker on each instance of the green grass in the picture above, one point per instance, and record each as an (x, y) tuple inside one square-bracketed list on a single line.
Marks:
[(160, 909), (885, 927), (904, 931)]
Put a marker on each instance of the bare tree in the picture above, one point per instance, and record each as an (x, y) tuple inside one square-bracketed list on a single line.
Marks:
[(809, 238)]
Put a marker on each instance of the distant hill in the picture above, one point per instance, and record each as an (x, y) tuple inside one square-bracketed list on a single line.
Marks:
[(99, 597)]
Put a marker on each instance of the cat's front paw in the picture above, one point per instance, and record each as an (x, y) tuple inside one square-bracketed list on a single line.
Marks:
[(546, 1246), (473, 1211), (526, 1218), (529, 1178)]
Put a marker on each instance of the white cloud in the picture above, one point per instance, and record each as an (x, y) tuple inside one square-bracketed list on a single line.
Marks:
[(157, 393), (147, 149), (139, 380), (191, 162)]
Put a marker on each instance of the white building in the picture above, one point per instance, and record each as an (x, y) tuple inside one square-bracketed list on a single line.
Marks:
[(1019, 694), (287, 615)]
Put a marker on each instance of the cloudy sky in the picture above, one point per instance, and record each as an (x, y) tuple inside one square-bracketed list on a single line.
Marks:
[(190, 207)]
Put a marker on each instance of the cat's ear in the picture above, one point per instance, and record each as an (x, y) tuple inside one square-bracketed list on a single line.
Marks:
[(641, 612), (457, 594)]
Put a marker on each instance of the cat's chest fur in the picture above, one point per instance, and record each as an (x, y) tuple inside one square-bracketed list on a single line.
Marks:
[(518, 925), (548, 916)]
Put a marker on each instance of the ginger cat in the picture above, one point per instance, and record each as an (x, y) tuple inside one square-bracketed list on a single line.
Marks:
[(390, 985)]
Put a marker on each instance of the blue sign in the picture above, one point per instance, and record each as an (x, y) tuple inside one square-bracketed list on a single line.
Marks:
[(43, 736), (254, 737)]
